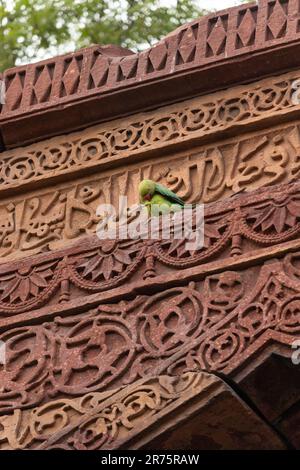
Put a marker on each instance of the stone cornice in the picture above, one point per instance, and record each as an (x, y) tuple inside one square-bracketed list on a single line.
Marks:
[(93, 84)]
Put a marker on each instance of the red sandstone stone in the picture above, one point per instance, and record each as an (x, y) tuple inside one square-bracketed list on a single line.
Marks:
[(193, 347), (98, 83)]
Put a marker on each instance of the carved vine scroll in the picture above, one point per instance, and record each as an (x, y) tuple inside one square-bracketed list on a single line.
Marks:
[(210, 325), (190, 121)]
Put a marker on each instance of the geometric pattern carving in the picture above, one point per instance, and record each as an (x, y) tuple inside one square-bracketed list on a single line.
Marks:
[(247, 28), (216, 41), (100, 343), (99, 71), (43, 84), (14, 91), (275, 18), (157, 57), (187, 45), (127, 68), (71, 77)]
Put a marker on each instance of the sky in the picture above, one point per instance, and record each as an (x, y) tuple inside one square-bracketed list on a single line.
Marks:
[(208, 4), (218, 4)]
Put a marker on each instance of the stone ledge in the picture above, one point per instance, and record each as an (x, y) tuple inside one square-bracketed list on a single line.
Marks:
[(94, 84), (239, 232)]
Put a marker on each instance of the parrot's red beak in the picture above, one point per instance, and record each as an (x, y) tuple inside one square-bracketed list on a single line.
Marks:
[(147, 197)]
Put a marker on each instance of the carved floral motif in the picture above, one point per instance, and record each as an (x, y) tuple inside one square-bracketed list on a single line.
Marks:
[(195, 119), (210, 324), (231, 229), (98, 420), (48, 221), (64, 362)]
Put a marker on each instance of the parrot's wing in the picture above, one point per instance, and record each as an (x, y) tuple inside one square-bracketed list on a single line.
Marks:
[(159, 188)]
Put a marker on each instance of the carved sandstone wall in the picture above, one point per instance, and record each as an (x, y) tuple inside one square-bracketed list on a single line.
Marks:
[(100, 83), (110, 344), (166, 150)]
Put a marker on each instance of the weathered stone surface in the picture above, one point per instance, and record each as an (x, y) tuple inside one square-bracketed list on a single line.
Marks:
[(51, 218), (216, 325), (93, 84), (127, 343), (243, 230), (221, 168), (194, 410), (117, 415)]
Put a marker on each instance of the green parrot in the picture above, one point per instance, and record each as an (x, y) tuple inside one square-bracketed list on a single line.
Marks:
[(158, 199)]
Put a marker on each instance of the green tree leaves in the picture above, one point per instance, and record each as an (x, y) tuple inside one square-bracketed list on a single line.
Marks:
[(32, 30)]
